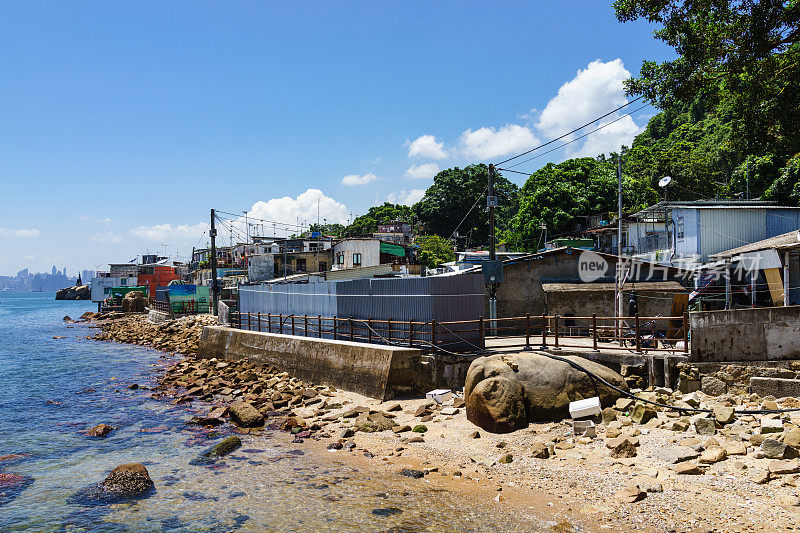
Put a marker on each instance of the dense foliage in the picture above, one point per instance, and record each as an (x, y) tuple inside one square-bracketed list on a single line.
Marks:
[(730, 101), (368, 223), (434, 250), (457, 201)]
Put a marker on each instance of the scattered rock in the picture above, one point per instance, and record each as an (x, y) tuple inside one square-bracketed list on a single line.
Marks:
[(475, 435), (505, 458), (621, 447), (687, 468), (630, 494), (410, 472), (713, 454), (713, 386), (245, 415), (100, 430), (781, 467), (539, 450), (773, 449), (675, 454), (420, 428), (641, 413), (723, 414), (760, 476), (705, 426), (771, 425)]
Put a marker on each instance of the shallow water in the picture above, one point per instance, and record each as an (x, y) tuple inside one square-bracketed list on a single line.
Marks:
[(53, 389)]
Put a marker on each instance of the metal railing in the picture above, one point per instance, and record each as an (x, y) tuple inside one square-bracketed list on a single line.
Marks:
[(635, 334)]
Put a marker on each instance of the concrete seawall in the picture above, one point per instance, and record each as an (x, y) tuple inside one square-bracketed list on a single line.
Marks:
[(374, 370), (762, 334)]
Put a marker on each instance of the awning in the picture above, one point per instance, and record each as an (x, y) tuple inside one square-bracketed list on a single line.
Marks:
[(393, 249), (630, 286)]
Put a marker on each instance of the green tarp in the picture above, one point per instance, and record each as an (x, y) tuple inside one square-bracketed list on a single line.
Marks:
[(394, 249)]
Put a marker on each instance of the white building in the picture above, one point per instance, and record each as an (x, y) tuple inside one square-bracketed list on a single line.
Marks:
[(366, 252)]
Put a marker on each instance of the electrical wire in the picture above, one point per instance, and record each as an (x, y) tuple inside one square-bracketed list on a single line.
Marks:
[(576, 129), (470, 211), (572, 141)]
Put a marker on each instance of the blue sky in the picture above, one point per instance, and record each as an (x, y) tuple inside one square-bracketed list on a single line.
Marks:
[(121, 125)]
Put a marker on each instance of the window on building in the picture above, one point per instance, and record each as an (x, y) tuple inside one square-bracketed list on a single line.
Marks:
[(679, 228), (356, 259), (340, 258), (106, 290), (301, 264), (123, 282)]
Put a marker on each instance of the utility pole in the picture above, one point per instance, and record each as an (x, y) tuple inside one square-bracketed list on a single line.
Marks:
[(213, 235), (617, 281), (491, 202)]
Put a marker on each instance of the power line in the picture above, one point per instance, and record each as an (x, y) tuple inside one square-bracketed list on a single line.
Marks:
[(572, 141), (573, 131)]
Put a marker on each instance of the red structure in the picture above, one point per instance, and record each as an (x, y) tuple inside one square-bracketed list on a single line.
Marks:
[(154, 276)]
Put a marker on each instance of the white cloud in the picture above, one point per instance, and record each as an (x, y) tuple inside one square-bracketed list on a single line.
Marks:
[(24, 233), (487, 143), (426, 146), (406, 197), (424, 171), (352, 180), (167, 233), (287, 210), (109, 237), (90, 218), (592, 92)]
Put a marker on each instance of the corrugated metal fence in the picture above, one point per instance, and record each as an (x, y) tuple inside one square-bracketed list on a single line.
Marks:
[(399, 300)]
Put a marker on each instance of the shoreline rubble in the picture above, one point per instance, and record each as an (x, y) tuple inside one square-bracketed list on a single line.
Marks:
[(648, 468)]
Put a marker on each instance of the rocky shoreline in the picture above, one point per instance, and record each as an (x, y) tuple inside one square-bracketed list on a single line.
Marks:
[(647, 468)]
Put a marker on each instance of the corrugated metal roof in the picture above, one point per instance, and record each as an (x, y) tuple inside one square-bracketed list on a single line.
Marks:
[(779, 242)]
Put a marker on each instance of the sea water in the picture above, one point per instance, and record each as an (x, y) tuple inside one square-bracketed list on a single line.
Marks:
[(53, 389)]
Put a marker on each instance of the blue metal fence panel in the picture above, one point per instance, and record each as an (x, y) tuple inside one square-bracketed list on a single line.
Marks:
[(440, 298)]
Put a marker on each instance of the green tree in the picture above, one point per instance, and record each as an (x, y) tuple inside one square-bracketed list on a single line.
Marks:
[(458, 196), (560, 196), (368, 223), (746, 54), (434, 250)]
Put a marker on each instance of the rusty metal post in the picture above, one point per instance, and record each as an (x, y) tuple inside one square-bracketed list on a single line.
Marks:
[(269, 322), (280, 323), (410, 332), (481, 333), (334, 327), (319, 329), (433, 334), (528, 331), (369, 328), (249, 326), (292, 323), (555, 333), (638, 334), (259, 322), (305, 325), (544, 330), (350, 321), (686, 333), (389, 330), (594, 331)]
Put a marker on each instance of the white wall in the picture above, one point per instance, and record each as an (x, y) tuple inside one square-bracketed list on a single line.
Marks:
[(370, 250)]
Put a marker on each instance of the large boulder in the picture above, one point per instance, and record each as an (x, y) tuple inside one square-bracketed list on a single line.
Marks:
[(126, 482), (134, 302), (79, 292), (506, 392)]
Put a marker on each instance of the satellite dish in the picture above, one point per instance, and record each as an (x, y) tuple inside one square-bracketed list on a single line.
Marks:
[(663, 182)]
